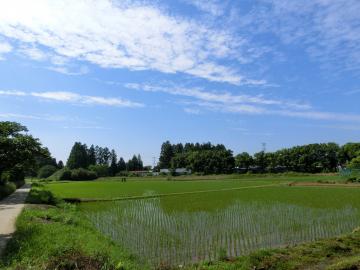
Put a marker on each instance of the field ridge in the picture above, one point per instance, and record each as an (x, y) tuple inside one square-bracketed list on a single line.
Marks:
[(84, 200)]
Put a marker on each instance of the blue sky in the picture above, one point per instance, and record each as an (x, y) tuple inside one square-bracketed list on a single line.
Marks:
[(132, 74)]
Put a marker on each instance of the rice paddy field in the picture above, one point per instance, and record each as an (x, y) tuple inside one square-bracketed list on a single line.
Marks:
[(207, 219)]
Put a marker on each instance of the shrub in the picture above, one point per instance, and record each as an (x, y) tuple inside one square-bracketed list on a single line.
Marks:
[(122, 173), (355, 163), (82, 174), (100, 170), (6, 189), (15, 175), (353, 179), (46, 171), (38, 195), (76, 174), (62, 174)]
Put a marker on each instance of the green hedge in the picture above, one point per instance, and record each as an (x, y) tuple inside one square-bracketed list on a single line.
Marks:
[(6, 189), (76, 175), (46, 171), (82, 174)]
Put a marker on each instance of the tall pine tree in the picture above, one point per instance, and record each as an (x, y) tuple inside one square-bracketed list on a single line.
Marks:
[(121, 165), (113, 163), (78, 157)]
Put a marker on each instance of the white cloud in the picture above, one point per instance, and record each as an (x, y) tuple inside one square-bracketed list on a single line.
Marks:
[(12, 93), (71, 97), (217, 97), (32, 117), (316, 115), (329, 31), (214, 7), (86, 127), (33, 53), (4, 48), (192, 111), (227, 102), (66, 70), (126, 34)]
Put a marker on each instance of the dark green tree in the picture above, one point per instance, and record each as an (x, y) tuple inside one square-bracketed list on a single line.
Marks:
[(244, 160), (166, 154), (113, 169), (92, 155), (140, 164), (60, 164), (121, 165), (17, 148), (78, 157)]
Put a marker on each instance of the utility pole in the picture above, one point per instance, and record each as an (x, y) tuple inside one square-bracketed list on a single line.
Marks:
[(264, 147), (154, 161)]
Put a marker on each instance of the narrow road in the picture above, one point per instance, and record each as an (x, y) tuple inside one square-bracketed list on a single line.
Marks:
[(10, 208)]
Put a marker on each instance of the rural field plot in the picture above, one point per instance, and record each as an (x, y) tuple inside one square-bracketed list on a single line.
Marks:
[(115, 189), (184, 229)]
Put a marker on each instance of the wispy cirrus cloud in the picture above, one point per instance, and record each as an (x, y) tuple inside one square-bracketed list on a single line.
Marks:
[(53, 61), (71, 97), (223, 97), (329, 31), (32, 117), (227, 102), (214, 7), (125, 34)]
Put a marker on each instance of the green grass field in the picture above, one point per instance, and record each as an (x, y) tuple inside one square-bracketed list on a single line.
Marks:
[(186, 228), (107, 188), (184, 220)]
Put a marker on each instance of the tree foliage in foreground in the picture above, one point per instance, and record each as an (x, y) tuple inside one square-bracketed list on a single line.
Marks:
[(18, 150)]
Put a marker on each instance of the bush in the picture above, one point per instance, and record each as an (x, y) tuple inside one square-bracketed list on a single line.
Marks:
[(82, 174), (46, 171), (6, 189), (100, 170), (15, 175), (353, 179), (62, 174), (122, 173), (76, 174), (355, 163), (38, 195)]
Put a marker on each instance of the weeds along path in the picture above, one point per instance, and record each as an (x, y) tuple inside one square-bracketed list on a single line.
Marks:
[(10, 208), (169, 194)]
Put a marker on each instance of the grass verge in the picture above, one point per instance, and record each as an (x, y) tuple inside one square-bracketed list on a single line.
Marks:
[(340, 253), (60, 237)]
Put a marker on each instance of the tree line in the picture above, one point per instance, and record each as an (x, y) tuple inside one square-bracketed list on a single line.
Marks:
[(21, 154), (205, 158), (214, 159), (101, 160)]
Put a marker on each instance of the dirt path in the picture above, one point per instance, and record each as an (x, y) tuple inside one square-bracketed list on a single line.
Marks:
[(10, 208)]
